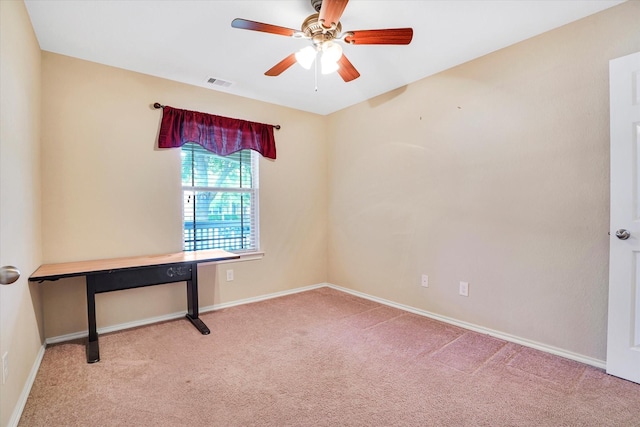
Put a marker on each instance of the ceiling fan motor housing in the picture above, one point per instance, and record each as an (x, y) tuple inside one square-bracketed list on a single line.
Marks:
[(313, 29)]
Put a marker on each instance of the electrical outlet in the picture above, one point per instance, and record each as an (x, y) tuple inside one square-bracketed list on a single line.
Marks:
[(425, 281), (229, 275), (464, 289), (5, 367)]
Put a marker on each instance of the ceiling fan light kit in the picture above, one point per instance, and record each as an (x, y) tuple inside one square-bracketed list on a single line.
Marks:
[(331, 54), (306, 56), (324, 30)]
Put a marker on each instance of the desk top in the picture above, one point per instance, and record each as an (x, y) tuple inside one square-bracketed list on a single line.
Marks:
[(83, 268)]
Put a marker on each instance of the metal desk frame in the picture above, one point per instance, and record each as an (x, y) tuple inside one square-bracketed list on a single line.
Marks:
[(134, 272)]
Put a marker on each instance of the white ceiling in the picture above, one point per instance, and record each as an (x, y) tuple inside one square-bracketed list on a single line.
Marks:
[(190, 41)]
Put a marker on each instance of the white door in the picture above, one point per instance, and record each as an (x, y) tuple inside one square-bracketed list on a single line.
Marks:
[(623, 337)]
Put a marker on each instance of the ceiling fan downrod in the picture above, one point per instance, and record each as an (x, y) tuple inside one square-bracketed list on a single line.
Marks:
[(316, 4)]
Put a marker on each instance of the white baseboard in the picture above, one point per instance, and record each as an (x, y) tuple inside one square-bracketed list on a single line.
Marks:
[(114, 328), (177, 315), (501, 335), (261, 298), (497, 334), (22, 400)]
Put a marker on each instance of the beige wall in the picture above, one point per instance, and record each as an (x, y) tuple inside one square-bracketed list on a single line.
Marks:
[(109, 192), (20, 310), (495, 172)]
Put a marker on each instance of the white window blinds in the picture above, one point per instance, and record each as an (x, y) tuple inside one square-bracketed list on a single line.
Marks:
[(220, 200)]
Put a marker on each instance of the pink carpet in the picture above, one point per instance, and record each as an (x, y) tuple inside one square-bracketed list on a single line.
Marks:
[(320, 358)]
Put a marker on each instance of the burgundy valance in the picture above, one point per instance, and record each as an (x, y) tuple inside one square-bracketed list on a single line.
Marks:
[(220, 135)]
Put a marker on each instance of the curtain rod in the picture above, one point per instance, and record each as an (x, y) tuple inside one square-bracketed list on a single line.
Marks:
[(157, 106)]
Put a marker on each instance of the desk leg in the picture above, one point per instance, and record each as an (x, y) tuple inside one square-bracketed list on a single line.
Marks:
[(93, 352), (192, 301)]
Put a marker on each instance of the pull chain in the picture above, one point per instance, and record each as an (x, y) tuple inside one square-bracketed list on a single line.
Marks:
[(315, 69)]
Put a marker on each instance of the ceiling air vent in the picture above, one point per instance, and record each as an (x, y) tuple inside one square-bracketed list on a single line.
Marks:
[(219, 82)]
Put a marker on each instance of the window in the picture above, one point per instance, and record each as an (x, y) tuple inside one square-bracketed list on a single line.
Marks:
[(220, 200)]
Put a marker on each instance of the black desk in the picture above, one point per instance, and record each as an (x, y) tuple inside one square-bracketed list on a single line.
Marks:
[(134, 272)]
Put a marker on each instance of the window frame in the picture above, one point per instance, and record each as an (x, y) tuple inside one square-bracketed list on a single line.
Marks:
[(253, 191)]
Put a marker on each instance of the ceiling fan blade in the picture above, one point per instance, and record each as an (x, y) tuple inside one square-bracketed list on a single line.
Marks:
[(388, 36), (331, 11), (245, 24), (281, 66), (347, 71)]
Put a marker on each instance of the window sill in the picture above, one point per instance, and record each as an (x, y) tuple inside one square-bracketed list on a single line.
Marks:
[(244, 256)]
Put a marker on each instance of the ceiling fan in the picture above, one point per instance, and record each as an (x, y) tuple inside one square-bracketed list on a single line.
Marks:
[(324, 29)]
